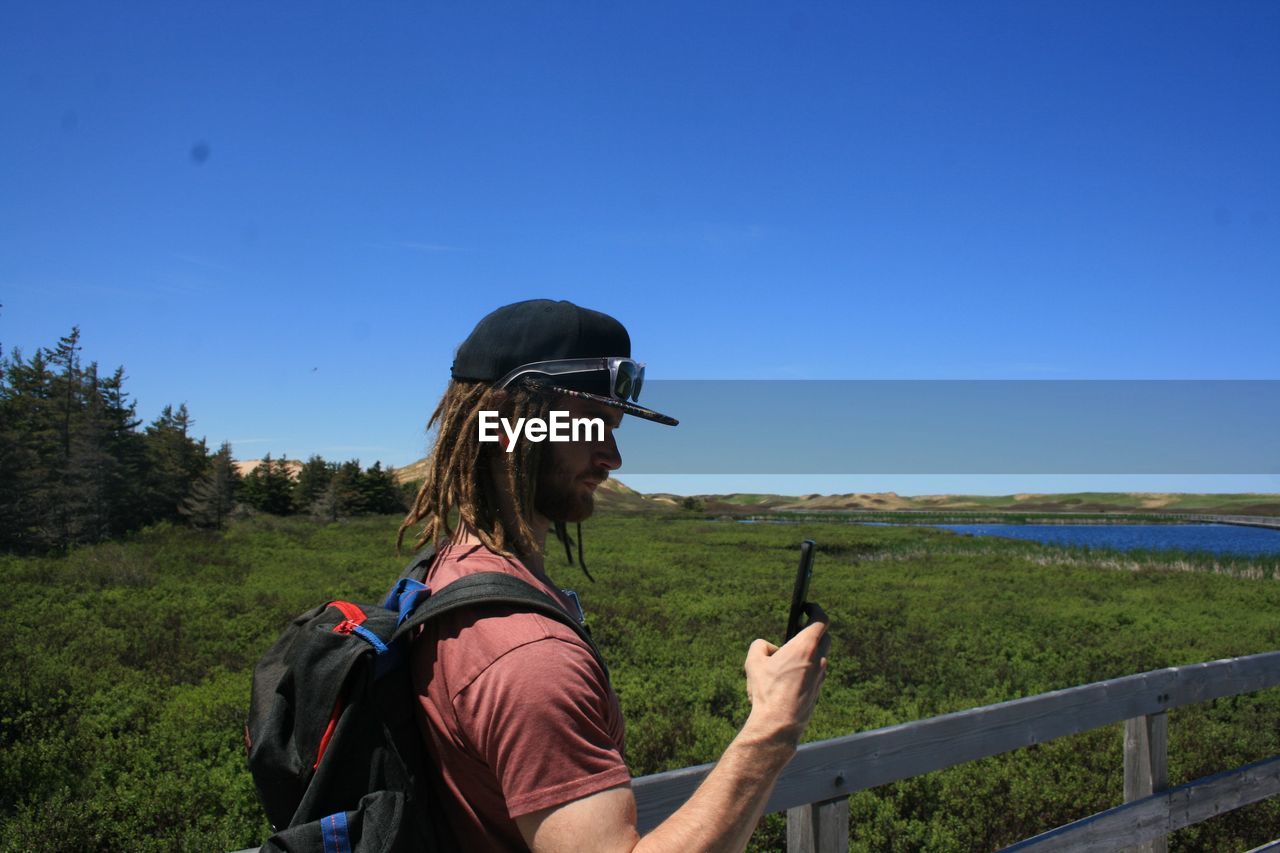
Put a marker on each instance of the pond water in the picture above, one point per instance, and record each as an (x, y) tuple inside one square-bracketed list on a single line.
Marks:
[(1215, 538)]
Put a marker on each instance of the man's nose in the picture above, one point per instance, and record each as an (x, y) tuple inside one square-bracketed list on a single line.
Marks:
[(608, 456)]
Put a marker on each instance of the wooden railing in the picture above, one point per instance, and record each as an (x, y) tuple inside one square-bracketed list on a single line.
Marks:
[(1270, 521), (815, 786)]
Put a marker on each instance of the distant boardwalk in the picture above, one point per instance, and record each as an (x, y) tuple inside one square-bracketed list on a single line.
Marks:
[(1242, 520)]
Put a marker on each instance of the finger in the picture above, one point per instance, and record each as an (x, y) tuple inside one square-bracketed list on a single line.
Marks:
[(817, 617), (813, 631), (813, 628), (815, 612), (761, 647), (810, 641)]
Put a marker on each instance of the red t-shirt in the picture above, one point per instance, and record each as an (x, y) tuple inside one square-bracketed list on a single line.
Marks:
[(513, 707)]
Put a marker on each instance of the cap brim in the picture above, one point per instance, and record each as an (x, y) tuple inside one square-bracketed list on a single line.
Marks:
[(625, 405)]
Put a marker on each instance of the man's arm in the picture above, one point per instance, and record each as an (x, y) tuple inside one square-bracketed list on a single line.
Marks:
[(783, 685)]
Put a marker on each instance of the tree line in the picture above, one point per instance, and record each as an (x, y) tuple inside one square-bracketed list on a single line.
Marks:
[(326, 490), (77, 465)]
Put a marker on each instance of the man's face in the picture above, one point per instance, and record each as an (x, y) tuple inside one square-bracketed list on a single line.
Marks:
[(571, 470)]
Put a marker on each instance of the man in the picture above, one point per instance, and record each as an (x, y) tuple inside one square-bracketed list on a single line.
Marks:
[(515, 709)]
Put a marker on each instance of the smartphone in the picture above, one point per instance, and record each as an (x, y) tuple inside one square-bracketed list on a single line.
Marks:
[(800, 592)]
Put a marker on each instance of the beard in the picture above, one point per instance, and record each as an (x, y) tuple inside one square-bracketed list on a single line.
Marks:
[(561, 496)]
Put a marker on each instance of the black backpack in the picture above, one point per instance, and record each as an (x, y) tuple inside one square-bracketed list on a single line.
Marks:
[(333, 746)]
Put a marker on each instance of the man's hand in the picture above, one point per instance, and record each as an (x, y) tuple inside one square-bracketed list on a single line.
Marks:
[(783, 683)]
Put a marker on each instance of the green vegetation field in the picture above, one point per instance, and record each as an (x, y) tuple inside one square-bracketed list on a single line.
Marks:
[(126, 666)]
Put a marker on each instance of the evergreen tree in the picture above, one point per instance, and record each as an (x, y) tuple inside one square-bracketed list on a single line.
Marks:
[(25, 442), (328, 506), (11, 471), (213, 496), (250, 493), (268, 487), (91, 469), (279, 487), (343, 495), (175, 462), (313, 481), (61, 493), (347, 484), (380, 493), (126, 489), (102, 489)]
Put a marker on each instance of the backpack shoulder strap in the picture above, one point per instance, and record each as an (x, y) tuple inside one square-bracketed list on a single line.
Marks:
[(490, 588), (421, 563)]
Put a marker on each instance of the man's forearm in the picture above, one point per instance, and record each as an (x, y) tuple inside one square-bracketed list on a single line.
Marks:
[(782, 684), (723, 812)]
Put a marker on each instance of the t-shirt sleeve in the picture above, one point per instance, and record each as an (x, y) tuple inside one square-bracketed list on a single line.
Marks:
[(538, 716)]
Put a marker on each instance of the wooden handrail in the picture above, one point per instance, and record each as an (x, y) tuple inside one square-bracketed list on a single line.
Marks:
[(1153, 817), (830, 770)]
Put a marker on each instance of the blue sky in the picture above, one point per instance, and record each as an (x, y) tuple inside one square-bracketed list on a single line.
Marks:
[(288, 215)]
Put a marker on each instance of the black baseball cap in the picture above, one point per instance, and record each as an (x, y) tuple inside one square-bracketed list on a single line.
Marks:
[(539, 330)]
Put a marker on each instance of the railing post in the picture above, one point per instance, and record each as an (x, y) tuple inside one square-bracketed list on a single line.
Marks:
[(1146, 765), (819, 827)]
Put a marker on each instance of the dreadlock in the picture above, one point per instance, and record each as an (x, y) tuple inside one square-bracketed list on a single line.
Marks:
[(458, 467), (562, 533)]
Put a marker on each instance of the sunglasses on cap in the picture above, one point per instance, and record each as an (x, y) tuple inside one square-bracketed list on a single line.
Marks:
[(626, 375)]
